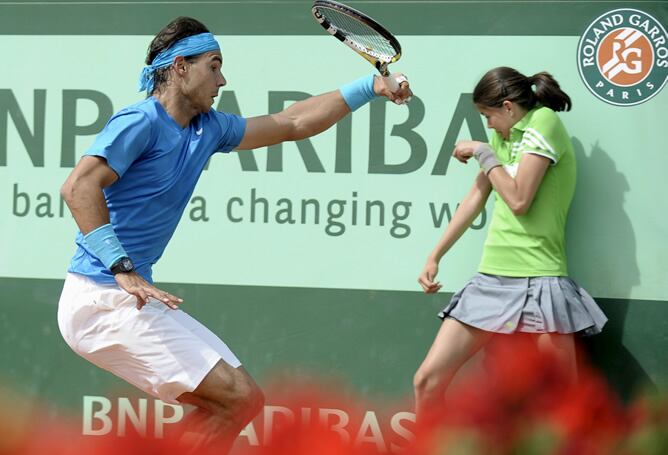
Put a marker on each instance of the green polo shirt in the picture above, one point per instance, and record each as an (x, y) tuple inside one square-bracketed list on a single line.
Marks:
[(533, 244)]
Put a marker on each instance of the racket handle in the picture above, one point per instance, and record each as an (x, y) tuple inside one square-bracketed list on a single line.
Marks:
[(393, 82)]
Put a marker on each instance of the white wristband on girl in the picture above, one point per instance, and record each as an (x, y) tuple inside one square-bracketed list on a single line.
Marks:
[(486, 158)]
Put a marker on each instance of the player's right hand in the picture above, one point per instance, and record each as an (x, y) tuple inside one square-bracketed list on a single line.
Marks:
[(426, 278), (394, 87), (134, 284)]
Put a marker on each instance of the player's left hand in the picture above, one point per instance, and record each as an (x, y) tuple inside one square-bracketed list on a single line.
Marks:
[(135, 284), (395, 88), (464, 150)]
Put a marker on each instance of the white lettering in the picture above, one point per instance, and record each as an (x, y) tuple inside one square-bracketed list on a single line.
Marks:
[(338, 427), (102, 415), (161, 419), (400, 430), (617, 19), (588, 51), (130, 414), (138, 419), (606, 23), (653, 31), (634, 19), (375, 436), (250, 433), (306, 416), (269, 412)]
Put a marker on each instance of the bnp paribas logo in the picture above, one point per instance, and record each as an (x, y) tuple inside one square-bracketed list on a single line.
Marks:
[(623, 57)]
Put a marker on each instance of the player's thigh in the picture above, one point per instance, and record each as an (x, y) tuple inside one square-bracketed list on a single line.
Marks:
[(557, 343), (207, 336), (560, 345), (164, 352), (454, 344)]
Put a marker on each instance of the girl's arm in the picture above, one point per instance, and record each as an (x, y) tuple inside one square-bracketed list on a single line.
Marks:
[(517, 192), (468, 210), (520, 191)]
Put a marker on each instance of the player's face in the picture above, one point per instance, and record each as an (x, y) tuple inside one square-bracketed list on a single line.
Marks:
[(204, 81), (501, 119)]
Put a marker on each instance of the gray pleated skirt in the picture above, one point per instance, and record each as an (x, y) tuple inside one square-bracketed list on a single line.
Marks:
[(535, 305)]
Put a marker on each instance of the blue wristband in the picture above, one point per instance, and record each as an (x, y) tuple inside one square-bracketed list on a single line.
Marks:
[(357, 93), (104, 244)]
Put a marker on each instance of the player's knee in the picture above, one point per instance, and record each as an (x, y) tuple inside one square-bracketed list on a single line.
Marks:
[(420, 380), (248, 399), (255, 401), (426, 381), (249, 403)]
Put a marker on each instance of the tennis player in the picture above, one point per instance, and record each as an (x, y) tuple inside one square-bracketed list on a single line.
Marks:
[(522, 283), (127, 194)]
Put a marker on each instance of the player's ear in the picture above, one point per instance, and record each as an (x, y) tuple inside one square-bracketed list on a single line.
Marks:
[(507, 105), (180, 65)]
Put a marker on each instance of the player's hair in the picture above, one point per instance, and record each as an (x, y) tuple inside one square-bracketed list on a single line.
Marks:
[(179, 28), (503, 83)]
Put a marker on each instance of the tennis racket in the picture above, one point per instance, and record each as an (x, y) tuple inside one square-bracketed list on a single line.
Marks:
[(362, 34)]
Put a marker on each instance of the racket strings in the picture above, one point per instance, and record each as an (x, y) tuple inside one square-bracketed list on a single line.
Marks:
[(360, 32)]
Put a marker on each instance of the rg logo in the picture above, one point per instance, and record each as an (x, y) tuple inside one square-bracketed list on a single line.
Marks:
[(623, 57)]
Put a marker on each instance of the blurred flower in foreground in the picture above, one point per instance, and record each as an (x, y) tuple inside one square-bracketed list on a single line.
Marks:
[(649, 425), (525, 402), (522, 402)]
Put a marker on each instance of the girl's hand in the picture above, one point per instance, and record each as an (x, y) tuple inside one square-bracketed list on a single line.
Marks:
[(464, 150), (426, 278)]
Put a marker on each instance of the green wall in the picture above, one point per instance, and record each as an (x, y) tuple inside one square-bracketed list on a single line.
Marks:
[(292, 298), (371, 342)]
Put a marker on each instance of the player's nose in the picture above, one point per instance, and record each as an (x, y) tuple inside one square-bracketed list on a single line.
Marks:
[(221, 82)]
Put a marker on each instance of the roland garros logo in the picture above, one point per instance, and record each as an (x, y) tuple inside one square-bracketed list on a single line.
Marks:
[(623, 57)]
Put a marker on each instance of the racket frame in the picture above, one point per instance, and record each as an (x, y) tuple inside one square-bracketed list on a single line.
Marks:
[(379, 61)]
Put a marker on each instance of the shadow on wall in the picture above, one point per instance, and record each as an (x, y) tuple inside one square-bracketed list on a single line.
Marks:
[(601, 249)]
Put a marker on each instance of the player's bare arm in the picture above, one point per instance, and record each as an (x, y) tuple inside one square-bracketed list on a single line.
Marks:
[(82, 192), (309, 117)]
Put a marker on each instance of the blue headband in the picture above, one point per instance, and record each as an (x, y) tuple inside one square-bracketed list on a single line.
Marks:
[(186, 47)]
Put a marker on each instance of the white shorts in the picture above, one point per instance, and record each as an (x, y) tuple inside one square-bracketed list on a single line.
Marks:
[(162, 351)]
